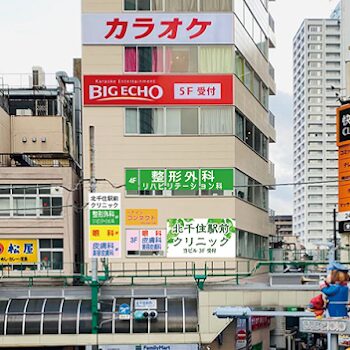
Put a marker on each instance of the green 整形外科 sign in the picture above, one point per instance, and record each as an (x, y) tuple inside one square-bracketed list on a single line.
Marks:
[(179, 179)]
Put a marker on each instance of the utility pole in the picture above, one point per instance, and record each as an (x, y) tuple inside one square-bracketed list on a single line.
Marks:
[(94, 277)]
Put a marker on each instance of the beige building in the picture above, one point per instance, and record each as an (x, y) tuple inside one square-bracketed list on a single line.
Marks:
[(139, 58), (39, 197)]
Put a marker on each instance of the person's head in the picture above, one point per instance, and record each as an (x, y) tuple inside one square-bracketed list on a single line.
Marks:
[(339, 276)]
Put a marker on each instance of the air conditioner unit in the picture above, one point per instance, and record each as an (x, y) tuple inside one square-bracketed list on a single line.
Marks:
[(24, 112), (56, 190), (38, 78)]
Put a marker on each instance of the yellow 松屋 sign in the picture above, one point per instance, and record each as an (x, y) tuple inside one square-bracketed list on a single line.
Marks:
[(18, 251)]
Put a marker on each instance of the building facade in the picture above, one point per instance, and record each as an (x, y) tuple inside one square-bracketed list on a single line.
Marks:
[(318, 76), (178, 95), (39, 178), (144, 144)]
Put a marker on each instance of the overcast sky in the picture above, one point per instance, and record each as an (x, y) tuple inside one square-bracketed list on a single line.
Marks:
[(47, 33)]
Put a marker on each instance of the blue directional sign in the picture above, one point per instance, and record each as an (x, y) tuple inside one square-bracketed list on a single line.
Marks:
[(124, 312)]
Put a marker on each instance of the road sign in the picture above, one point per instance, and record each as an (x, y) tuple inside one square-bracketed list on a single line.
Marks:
[(327, 325), (124, 312), (146, 304), (345, 215)]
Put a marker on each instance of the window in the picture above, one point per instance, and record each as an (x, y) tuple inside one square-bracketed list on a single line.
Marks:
[(179, 121), (181, 59), (248, 76), (182, 6), (216, 5), (144, 59), (251, 80), (239, 63), (51, 254), (250, 245), (144, 121), (239, 9), (143, 5), (251, 135), (30, 201), (216, 59), (240, 126), (250, 190), (216, 120)]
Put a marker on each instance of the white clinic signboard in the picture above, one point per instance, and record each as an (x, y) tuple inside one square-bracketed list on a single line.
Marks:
[(201, 238), (157, 28)]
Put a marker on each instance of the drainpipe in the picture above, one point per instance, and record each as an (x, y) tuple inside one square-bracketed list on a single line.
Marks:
[(64, 80)]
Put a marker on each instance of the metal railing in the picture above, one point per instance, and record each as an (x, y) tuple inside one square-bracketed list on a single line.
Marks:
[(32, 160)]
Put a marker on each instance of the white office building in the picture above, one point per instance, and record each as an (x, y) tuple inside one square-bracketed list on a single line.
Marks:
[(318, 73)]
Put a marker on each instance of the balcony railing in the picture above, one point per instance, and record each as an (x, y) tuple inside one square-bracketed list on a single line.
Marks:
[(33, 160)]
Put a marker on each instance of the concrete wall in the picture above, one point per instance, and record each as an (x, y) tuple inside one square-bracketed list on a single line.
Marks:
[(51, 129), (5, 145)]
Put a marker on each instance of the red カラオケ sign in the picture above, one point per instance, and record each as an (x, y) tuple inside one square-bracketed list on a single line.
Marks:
[(128, 90), (157, 28)]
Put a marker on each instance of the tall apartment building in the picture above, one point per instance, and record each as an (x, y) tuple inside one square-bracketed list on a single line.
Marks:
[(178, 94), (318, 74)]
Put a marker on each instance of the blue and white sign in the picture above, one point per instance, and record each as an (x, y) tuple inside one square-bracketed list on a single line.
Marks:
[(124, 312), (146, 304)]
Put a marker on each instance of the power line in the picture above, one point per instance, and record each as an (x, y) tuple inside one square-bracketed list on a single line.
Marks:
[(76, 187)]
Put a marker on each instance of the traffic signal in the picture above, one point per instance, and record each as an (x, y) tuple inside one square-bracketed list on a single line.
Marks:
[(140, 315)]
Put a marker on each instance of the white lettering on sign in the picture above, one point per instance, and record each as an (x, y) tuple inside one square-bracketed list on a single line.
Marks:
[(197, 91), (344, 216), (108, 93), (333, 326), (145, 304)]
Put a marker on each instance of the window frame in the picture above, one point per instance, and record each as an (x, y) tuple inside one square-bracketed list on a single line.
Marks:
[(38, 207)]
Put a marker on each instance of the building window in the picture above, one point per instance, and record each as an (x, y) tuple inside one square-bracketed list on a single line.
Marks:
[(179, 121), (216, 120), (216, 59), (216, 5), (181, 59), (143, 5), (247, 189), (144, 59), (51, 254), (251, 135), (178, 59), (30, 201), (182, 121), (251, 246), (251, 80), (181, 6)]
